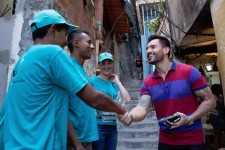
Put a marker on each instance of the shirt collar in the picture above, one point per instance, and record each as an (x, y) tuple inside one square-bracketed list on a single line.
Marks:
[(173, 68)]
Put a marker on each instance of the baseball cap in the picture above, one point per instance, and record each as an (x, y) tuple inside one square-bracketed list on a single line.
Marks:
[(48, 17), (104, 56)]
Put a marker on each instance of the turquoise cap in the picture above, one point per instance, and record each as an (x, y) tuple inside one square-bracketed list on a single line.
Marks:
[(48, 17), (104, 56)]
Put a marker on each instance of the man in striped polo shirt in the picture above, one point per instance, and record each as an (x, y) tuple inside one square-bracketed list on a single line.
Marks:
[(176, 89)]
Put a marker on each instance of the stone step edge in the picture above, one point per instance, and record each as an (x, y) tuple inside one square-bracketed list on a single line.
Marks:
[(139, 140)]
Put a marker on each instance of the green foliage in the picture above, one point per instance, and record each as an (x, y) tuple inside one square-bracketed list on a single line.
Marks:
[(154, 24), (161, 8)]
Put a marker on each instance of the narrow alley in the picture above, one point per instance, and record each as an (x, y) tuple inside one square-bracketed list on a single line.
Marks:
[(185, 34)]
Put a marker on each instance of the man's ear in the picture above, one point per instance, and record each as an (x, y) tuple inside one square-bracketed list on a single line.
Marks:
[(76, 43), (166, 50), (51, 30)]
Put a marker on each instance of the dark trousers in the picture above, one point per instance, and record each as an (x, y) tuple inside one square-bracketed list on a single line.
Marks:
[(181, 147), (107, 138)]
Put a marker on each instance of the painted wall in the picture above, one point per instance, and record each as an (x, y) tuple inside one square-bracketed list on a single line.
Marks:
[(83, 16), (17, 37), (217, 8), (5, 48), (148, 14), (17, 34)]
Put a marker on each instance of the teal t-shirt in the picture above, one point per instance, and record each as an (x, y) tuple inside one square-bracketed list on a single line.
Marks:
[(36, 104), (110, 89), (82, 116)]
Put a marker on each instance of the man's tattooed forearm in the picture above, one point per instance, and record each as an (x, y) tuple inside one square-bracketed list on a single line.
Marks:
[(144, 101), (205, 95)]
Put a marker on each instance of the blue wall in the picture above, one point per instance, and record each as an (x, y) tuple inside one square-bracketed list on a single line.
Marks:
[(147, 16)]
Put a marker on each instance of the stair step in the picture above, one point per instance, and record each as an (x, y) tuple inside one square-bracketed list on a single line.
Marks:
[(132, 101), (135, 149), (134, 97), (139, 140), (148, 128), (146, 143), (148, 122), (146, 134), (134, 83), (137, 126), (141, 135)]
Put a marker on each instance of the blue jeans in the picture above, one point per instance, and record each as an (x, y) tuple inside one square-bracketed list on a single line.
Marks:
[(107, 138)]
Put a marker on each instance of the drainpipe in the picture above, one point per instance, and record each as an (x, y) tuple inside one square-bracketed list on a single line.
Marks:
[(143, 47), (99, 24), (217, 8), (99, 17)]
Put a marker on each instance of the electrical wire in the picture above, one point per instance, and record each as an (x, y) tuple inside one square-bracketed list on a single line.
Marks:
[(114, 26), (5, 10), (170, 21)]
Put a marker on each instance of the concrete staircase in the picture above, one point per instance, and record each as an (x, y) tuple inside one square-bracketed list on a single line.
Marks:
[(139, 135)]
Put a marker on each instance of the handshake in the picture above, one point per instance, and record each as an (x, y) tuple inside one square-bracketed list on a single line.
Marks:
[(126, 118), (176, 120)]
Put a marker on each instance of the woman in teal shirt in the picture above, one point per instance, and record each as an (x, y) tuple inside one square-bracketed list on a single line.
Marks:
[(108, 83)]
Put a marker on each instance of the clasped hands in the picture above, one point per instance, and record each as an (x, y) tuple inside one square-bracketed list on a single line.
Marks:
[(126, 118)]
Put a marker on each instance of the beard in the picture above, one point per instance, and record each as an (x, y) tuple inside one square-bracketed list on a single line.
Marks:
[(85, 55), (155, 58)]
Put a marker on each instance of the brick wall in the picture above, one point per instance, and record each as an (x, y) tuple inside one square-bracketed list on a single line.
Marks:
[(83, 15)]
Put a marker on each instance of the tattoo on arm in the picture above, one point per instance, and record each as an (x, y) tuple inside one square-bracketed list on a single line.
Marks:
[(207, 102), (204, 94), (144, 101)]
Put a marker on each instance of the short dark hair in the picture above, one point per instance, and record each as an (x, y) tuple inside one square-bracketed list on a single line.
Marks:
[(163, 41), (216, 89), (41, 32), (75, 34)]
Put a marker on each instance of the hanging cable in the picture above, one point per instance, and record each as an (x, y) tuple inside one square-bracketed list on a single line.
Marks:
[(113, 26), (5, 10)]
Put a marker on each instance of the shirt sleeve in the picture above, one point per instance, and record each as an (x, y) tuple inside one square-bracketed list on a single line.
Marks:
[(197, 81), (144, 88), (91, 80), (65, 74)]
